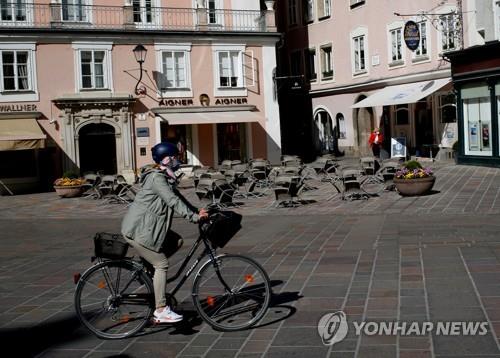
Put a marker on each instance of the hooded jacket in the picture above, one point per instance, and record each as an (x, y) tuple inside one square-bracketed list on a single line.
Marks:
[(149, 217)]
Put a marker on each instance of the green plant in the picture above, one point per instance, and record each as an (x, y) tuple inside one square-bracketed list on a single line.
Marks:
[(412, 165), (70, 174)]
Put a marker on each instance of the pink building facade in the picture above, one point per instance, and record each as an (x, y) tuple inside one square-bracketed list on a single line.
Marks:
[(68, 67), (360, 75)]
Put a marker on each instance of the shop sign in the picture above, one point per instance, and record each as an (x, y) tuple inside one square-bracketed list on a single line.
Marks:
[(176, 102), (142, 131), (230, 101), (411, 35), (398, 147), (18, 108)]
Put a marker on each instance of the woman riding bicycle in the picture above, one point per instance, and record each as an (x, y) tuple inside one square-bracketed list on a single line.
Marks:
[(146, 225)]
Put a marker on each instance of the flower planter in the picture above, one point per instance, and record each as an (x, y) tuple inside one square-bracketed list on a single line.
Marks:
[(413, 187), (68, 191)]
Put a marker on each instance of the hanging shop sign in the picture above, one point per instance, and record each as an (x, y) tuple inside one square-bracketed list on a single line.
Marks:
[(184, 102), (411, 35), (18, 108)]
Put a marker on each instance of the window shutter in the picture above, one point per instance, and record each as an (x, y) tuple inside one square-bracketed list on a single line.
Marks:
[(249, 69)]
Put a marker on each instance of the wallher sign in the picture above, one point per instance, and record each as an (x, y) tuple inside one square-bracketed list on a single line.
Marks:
[(411, 34)]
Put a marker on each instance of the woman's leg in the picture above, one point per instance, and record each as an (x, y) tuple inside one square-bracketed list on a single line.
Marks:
[(160, 263)]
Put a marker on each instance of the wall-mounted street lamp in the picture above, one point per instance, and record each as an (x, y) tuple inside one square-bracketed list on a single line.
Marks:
[(140, 56)]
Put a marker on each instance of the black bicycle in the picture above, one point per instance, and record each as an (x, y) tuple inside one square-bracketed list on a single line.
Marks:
[(115, 299)]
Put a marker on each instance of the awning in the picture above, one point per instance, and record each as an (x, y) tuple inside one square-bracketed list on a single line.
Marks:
[(211, 117), (402, 94), (23, 133)]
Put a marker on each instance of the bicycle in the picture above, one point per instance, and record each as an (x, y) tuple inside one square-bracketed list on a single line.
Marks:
[(115, 299)]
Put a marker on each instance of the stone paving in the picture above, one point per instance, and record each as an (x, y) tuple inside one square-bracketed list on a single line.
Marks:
[(434, 258)]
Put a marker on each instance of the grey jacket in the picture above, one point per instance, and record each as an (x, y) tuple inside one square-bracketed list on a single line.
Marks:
[(150, 216)]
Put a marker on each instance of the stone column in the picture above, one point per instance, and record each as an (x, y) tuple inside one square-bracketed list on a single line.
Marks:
[(270, 17), (201, 15)]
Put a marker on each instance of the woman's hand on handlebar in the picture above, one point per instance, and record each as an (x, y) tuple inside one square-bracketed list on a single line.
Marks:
[(203, 214)]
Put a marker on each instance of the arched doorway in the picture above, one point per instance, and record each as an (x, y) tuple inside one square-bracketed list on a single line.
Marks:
[(363, 126), (324, 133), (97, 148)]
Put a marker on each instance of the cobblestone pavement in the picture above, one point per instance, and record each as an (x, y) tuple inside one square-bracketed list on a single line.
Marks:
[(432, 258)]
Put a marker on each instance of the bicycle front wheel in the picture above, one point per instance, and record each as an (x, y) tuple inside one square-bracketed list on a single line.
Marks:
[(232, 293), (114, 299)]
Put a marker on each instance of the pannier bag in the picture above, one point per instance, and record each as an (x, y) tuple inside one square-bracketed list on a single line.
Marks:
[(110, 246), (222, 226)]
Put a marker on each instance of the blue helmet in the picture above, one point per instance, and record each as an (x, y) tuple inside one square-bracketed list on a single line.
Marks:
[(162, 150)]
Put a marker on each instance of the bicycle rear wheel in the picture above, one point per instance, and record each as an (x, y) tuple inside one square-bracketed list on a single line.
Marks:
[(372, 184), (114, 299), (233, 293)]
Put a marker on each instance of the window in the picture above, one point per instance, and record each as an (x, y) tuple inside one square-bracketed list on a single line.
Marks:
[(229, 69), (174, 69), (341, 126), (402, 115), (422, 49), (17, 72), (448, 32), (356, 3), (292, 12), (75, 10), (214, 14), (12, 10), (296, 63), (326, 62), (324, 9), (359, 54), (448, 108), (477, 119), (396, 45), (93, 71), (308, 10), (143, 11), (310, 56)]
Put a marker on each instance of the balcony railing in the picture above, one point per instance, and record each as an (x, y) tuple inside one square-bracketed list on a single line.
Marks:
[(129, 17)]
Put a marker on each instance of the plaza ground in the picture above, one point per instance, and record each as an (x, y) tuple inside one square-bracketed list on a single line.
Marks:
[(389, 258)]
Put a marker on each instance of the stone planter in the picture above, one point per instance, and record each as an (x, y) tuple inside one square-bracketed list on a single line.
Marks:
[(413, 187), (65, 191)]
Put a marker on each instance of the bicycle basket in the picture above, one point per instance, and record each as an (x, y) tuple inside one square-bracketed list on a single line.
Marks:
[(222, 226), (110, 246)]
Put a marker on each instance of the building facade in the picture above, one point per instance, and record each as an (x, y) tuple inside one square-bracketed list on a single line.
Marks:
[(476, 78), (360, 75), (73, 95)]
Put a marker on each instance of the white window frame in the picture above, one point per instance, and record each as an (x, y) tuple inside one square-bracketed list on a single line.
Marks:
[(28, 11), (87, 10), (419, 58), (25, 95), (322, 62), (327, 8), (392, 29), (107, 65), (354, 3), (160, 48), (155, 15), (446, 10), (293, 12), (357, 33), (241, 89)]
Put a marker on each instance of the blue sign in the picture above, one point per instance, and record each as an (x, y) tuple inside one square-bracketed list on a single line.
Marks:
[(411, 34), (142, 131)]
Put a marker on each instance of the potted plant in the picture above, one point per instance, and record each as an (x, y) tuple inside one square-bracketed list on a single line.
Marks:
[(69, 185), (412, 179)]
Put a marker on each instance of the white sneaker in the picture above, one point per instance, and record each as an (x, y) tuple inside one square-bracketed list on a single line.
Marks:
[(166, 316)]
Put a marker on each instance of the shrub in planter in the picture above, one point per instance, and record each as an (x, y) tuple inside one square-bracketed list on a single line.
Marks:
[(412, 179)]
